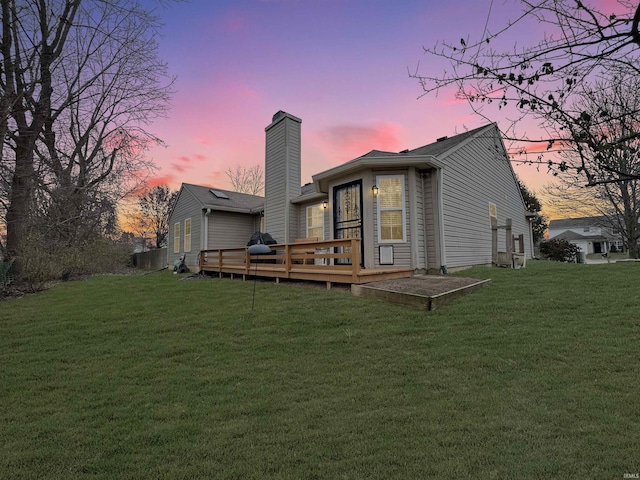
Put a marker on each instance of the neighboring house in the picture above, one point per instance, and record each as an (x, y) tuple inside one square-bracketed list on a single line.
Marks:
[(590, 234), (429, 209)]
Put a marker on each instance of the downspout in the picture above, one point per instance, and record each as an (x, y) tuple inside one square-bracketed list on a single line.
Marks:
[(531, 244), (204, 234), (413, 217), (205, 230), (424, 176), (440, 220)]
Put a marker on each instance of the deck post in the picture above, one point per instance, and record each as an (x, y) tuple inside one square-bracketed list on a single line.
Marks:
[(355, 259), (287, 259), (247, 261)]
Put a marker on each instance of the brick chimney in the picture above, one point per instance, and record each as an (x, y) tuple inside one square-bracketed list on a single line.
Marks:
[(282, 176)]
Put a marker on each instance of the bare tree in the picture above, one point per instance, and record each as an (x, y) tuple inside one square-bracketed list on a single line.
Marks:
[(32, 42), (532, 203), (80, 83), (540, 81), (154, 208), (247, 179), (612, 105)]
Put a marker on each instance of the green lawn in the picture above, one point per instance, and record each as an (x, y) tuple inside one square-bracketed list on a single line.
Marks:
[(535, 376)]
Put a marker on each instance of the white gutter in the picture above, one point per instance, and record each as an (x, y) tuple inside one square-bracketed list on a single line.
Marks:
[(309, 197), (233, 209)]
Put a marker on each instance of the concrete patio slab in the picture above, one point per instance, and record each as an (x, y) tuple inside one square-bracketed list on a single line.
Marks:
[(428, 292)]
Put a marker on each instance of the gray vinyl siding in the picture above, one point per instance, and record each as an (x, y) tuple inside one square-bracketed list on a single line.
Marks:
[(275, 183), (293, 176), (302, 221), (401, 250), (475, 175), (187, 206), (230, 230), (282, 179)]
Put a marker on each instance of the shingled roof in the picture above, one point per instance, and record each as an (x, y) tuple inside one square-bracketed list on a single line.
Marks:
[(444, 144), (600, 221), (234, 201), (436, 148), (569, 235)]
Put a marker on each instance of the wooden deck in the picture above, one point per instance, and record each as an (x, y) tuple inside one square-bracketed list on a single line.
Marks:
[(330, 261)]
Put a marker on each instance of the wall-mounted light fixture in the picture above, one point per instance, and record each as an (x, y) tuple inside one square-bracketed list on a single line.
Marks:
[(325, 204), (375, 190)]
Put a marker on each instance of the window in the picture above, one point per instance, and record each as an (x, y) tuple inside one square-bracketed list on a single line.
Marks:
[(493, 213), (315, 222), (187, 235), (176, 238), (391, 209), (586, 229)]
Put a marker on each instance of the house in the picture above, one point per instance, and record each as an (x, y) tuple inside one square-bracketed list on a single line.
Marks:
[(203, 218), (590, 234), (429, 209)]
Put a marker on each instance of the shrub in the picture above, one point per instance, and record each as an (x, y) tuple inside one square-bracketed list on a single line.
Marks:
[(42, 261), (559, 250), (614, 249)]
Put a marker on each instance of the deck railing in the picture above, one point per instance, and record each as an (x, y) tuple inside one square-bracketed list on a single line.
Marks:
[(335, 257)]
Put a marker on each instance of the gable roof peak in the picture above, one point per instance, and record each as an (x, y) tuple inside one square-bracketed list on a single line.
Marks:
[(445, 143)]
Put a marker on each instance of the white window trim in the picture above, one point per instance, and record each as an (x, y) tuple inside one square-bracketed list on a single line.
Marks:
[(404, 210), (176, 238), (319, 205), (187, 235)]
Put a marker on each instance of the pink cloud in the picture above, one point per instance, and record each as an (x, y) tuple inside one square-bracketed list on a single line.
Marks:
[(151, 182), (350, 141), (217, 178), (167, 179), (524, 148), (200, 157), (178, 168)]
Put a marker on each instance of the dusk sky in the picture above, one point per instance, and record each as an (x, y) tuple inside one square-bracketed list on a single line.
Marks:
[(340, 65)]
